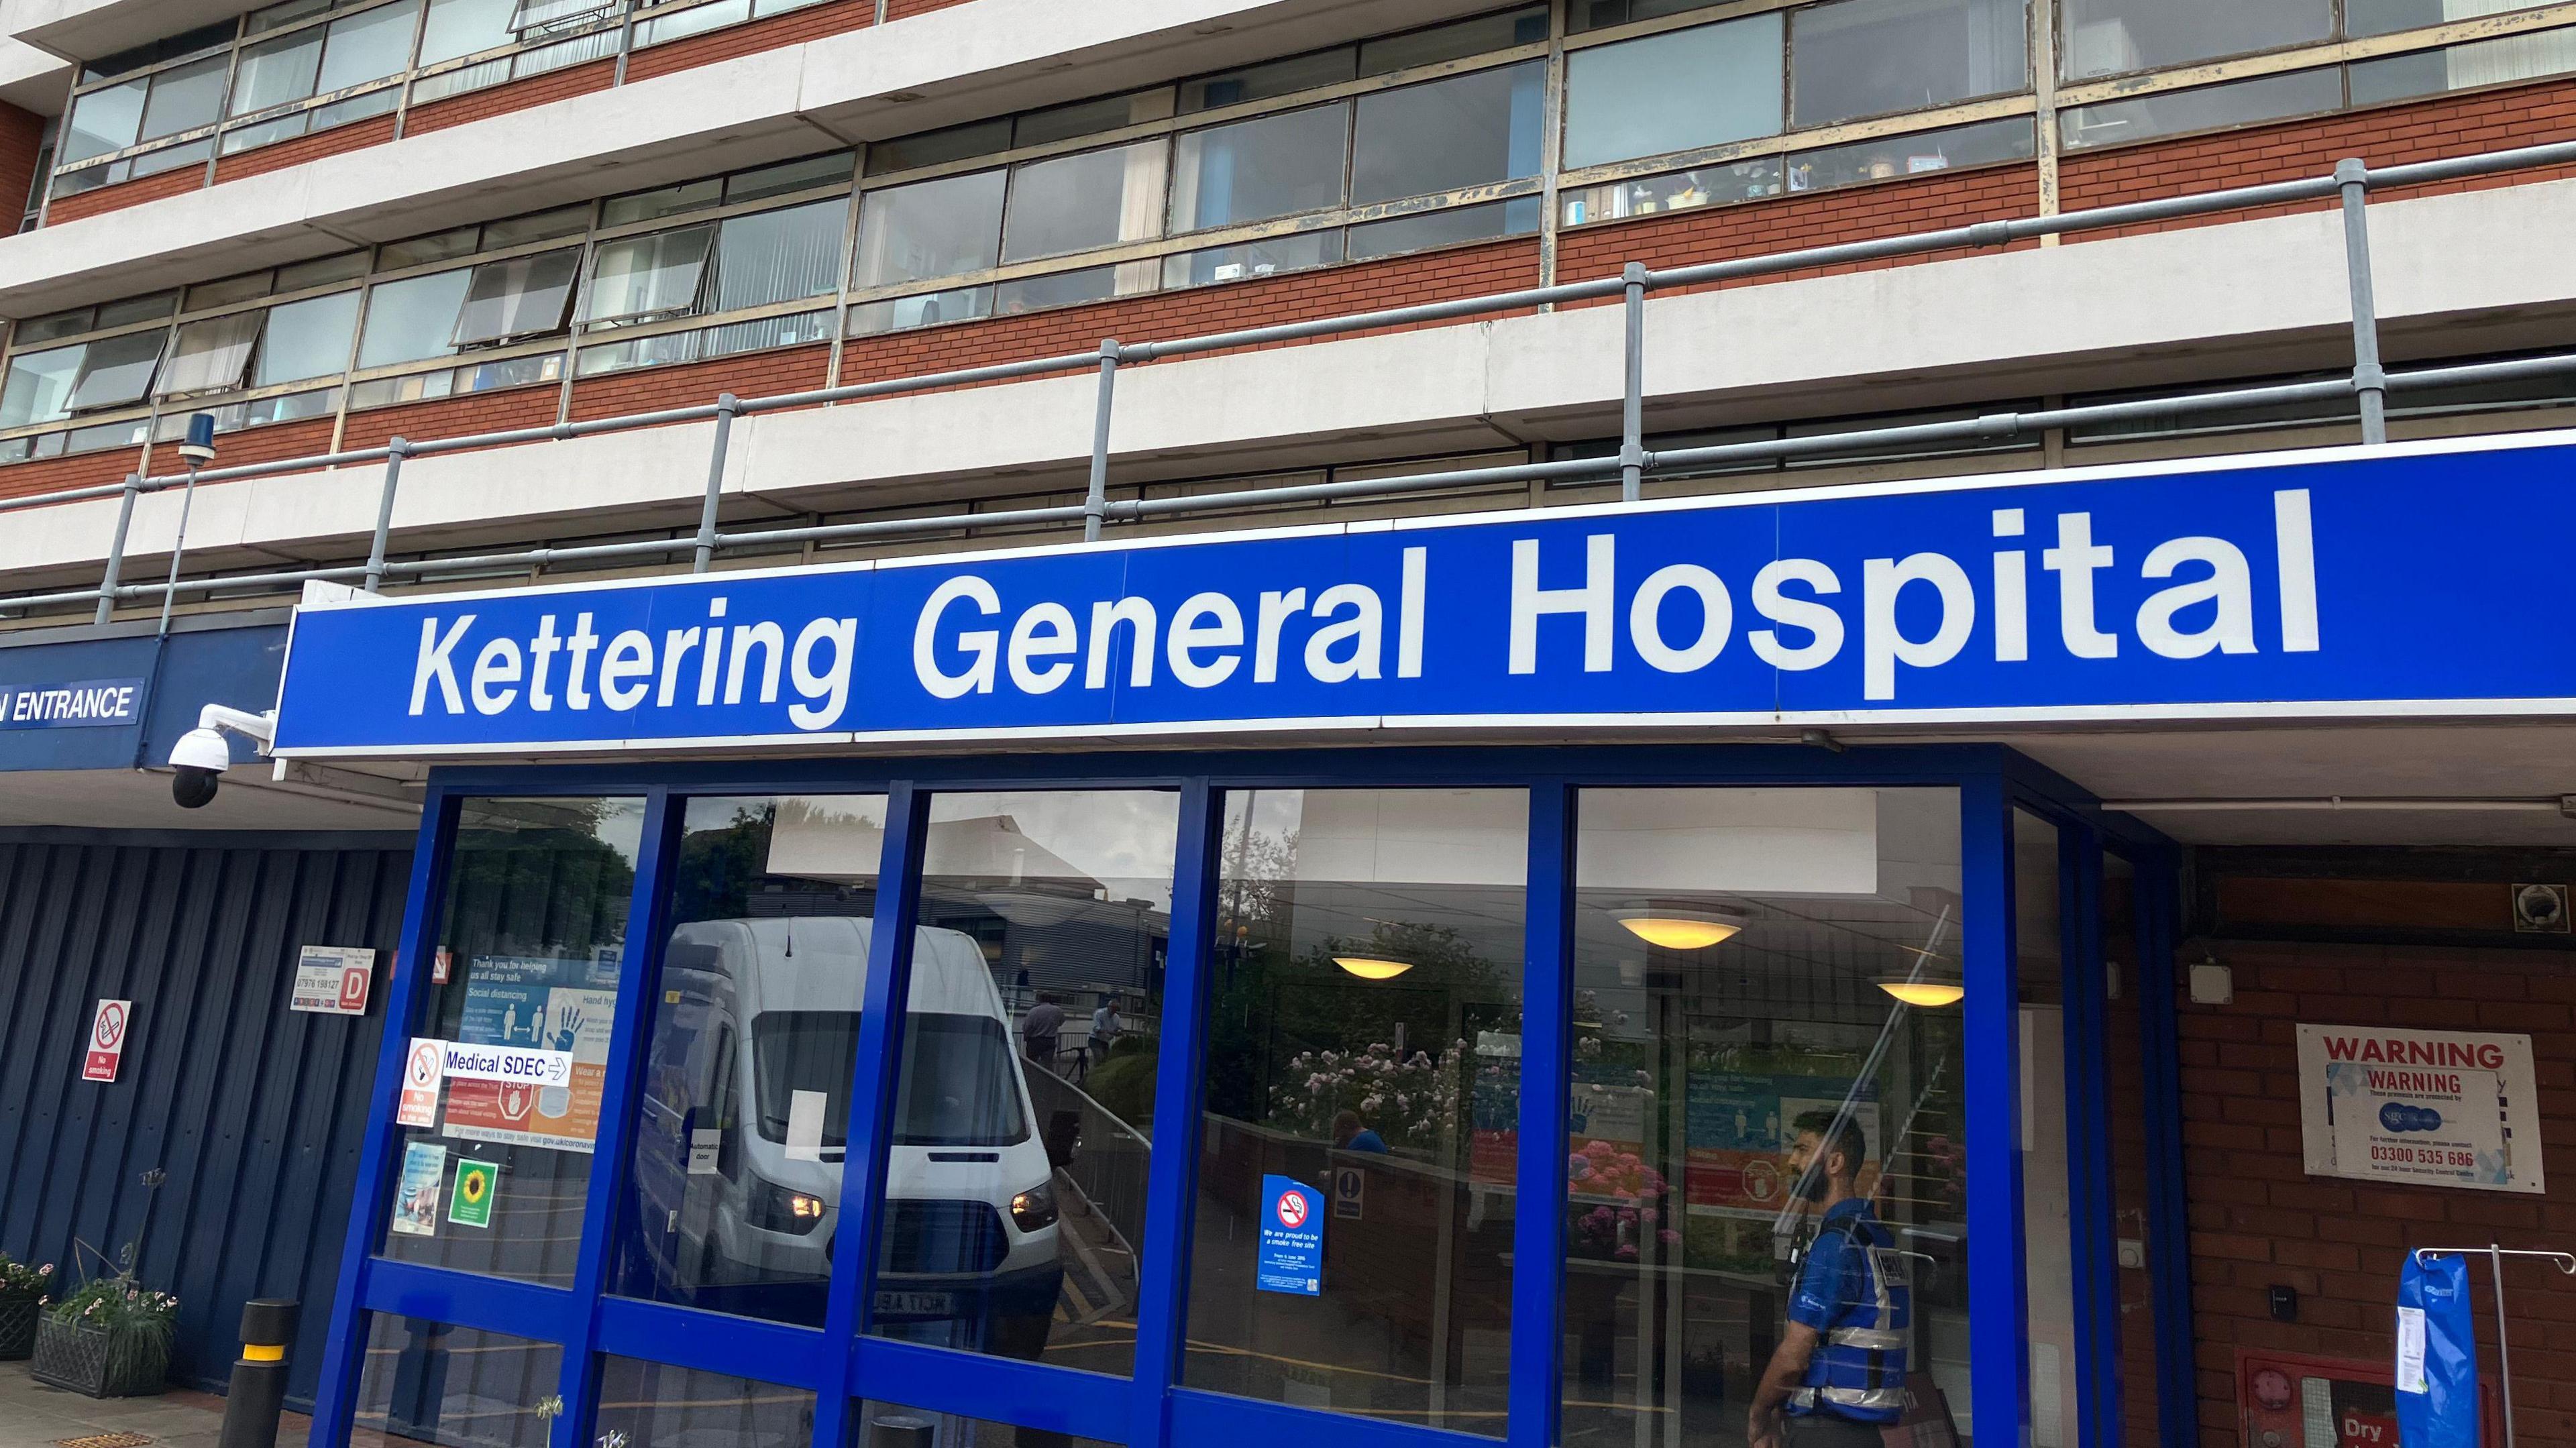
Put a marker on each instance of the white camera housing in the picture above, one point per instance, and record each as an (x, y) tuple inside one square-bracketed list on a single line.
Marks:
[(198, 760)]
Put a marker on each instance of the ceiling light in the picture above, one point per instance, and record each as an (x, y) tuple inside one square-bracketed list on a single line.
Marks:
[(1929, 993), (1372, 967), (1681, 929)]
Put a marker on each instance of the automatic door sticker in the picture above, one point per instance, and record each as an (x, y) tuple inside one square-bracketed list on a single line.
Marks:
[(470, 1204)]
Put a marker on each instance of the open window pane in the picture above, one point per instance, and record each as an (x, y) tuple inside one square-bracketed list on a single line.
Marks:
[(644, 277), (367, 47), (930, 229), (1253, 170), (102, 121), (1075, 203), (1767, 1113), (277, 71), (464, 27), (2111, 37), (521, 297), (413, 318), (1877, 57), (185, 98), (1470, 130), (427, 1383), (209, 356), (1363, 1055), (39, 388), (779, 256), (1700, 87), (531, 943), (117, 371), (306, 339), (745, 1113), (1015, 1181)]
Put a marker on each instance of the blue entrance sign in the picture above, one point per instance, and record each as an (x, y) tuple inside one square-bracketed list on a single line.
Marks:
[(88, 704), (2414, 579), (1292, 1238)]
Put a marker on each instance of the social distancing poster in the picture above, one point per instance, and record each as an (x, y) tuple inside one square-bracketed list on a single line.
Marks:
[(567, 1006)]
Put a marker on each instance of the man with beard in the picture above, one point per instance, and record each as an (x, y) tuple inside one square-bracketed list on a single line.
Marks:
[(1838, 1377)]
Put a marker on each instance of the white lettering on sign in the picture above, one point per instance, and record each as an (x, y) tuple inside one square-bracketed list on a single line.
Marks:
[(525, 1064)]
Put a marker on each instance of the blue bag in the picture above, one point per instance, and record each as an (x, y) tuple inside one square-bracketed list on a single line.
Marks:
[(2437, 1355)]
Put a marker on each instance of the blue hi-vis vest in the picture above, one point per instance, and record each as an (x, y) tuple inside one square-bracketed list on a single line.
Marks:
[(1852, 1290)]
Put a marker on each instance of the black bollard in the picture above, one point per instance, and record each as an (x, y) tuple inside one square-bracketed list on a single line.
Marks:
[(258, 1390)]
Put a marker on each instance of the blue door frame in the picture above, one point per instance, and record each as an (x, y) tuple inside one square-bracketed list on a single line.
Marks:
[(840, 1363)]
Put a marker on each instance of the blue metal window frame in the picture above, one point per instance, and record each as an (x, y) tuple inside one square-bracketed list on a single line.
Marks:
[(1150, 1409)]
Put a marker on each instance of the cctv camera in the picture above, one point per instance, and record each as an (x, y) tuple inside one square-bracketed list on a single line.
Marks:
[(200, 759), (202, 754)]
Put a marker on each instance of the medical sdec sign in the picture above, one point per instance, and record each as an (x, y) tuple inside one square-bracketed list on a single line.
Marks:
[(2407, 579)]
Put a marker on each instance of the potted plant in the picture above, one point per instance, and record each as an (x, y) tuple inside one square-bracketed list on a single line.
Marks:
[(22, 1288), (110, 1339)]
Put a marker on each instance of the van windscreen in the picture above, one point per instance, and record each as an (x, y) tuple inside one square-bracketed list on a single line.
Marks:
[(958, 1089)]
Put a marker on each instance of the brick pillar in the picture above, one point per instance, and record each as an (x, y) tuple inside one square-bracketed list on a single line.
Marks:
[(22, 134)]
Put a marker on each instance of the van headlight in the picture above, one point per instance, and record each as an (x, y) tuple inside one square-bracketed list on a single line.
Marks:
[(1035, 1207), (776, 1209)]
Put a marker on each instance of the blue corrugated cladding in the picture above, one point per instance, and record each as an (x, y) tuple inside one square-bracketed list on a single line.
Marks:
[(254, 1110)]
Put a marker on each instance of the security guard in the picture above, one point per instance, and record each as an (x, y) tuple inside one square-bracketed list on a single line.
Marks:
[(1838, 1377)]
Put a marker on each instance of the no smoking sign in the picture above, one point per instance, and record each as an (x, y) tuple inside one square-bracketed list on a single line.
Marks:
[(106, 1040)]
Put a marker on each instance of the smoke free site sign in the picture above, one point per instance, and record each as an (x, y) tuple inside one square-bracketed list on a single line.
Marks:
[(2429, 1108), (1292, 1238)]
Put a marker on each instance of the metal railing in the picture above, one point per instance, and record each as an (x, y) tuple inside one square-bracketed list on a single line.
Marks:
[(2369, 383)]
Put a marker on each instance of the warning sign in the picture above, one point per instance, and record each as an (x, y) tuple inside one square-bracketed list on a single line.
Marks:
[(420, 1083), (470, 1205), (106, 1040), (2431, 1108), (334, 979), (1350, 1193)]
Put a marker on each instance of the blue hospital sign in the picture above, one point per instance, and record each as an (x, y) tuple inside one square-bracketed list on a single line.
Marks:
[(88, 704), (1292, 1238), (2414, 579)]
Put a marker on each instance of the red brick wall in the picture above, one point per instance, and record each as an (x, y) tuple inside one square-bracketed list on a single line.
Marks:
[(518, 95), (754, 374), (2428, 130), (264, 444), (125, 193), (17, 480), (1784, 223), (1459, 272), (357, 135), (793, 28), (898, 9), (22, 134), (2258, 1220), (494, 411)]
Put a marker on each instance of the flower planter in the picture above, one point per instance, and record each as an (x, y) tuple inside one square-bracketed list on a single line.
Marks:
[(101, 1362), (17, 1325)]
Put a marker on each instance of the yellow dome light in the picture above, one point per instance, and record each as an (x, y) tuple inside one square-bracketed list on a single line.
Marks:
[(1370, 967), (1932, 994), (1681, 929)]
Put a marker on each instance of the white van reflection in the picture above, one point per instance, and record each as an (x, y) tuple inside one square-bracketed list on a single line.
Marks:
[(745, 1127)]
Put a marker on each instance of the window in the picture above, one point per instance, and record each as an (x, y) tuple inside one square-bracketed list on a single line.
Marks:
[(1469, 130), (412, 319), (1257, 169), (2111, 37), (930, 229), (957, 304), (647, 277), (1268, 79), (103, 121), (210, 356), (778, 256), (1747, 180), (1057, 289), (1699, 87), (2010, 139), (1252, 259), (2236, 103), (277, 71), (1075, 203), (39, 386), (1454, 41), (349, 51), (521, 297), (185, 98), (2459, 67), (653, 1403), (117, 371), (2378, 17), (661, 202), (419, 1379), (1085, 118), (1364, 1015), (779, 180), (304, 339), (932, 148), (1876, 57), (463, 27), (1447, 226)]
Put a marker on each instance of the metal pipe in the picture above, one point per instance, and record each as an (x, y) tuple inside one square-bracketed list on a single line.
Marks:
[(886, 527), (60, 495), (1364, 321), (1095, 498), (394, 451), (2333, 802), (116, 548), (2487, 163), (2368, 378), (1632, 394), (726, 405), (1366, 487), (178, 550), (960, 377)]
